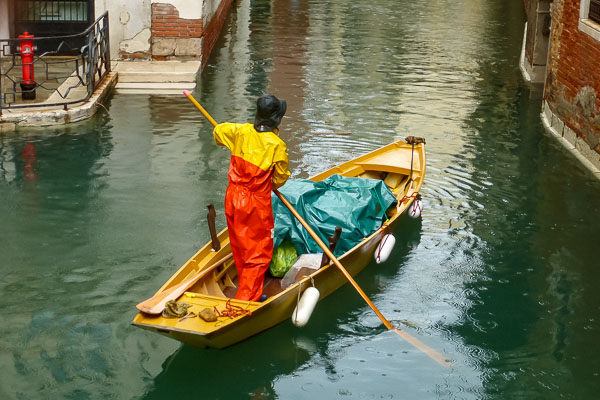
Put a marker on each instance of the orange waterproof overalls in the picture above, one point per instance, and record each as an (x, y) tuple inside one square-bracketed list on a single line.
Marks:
[(259, 163)]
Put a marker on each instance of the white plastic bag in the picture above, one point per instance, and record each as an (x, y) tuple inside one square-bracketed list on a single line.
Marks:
[(311, 261)]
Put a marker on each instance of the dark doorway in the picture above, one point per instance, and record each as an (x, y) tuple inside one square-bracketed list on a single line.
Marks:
[(54, 18), (594, 13)]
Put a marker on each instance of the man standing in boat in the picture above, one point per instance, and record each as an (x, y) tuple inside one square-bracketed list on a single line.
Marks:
[(259, 163)]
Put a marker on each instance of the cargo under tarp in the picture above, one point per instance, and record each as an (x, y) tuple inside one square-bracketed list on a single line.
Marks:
[(357, 205)]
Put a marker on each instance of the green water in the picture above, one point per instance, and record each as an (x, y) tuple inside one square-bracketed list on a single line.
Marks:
[(500, 275)]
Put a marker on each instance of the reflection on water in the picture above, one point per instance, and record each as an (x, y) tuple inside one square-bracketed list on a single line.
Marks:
[(498, 276)]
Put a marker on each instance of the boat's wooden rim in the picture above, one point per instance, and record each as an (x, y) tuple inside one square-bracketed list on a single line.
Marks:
[(380, 160)]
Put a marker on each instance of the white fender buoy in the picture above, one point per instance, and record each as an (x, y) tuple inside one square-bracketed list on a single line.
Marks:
[(384, 248), (305, 306), (414, 211)]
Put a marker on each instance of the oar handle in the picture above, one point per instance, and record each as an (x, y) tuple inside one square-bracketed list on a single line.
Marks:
[(156, 304), (332, 258), (200, 108)]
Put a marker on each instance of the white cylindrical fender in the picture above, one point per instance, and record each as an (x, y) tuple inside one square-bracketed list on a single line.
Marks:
[(414, 211), (384, 248), (305, 306)]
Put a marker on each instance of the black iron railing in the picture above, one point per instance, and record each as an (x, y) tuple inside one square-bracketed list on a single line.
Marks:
[(52, 78), (53, 10)]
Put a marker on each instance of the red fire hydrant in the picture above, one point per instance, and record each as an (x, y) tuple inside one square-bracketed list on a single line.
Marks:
[(28, 83)]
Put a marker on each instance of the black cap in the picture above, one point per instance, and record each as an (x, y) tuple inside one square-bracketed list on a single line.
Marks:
[(269, 112)]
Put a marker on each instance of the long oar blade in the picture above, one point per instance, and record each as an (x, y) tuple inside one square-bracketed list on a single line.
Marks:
[(431, 353)]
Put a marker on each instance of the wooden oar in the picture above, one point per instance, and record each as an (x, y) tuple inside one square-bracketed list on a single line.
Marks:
[(200, 108), (156, 304), (434, 355)]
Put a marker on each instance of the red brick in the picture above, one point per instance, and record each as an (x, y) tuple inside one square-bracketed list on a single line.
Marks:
[(167, 23)]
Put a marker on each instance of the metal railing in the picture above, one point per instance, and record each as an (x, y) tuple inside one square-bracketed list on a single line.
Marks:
[(60, 80)]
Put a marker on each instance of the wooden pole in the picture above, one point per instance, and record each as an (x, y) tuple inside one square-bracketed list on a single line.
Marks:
[(200, 108)]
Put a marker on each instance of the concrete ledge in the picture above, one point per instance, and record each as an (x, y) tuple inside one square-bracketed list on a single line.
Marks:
[(569, 139), (152, 77), (154, 88), (532, 74), (524, 71), (47, 116)]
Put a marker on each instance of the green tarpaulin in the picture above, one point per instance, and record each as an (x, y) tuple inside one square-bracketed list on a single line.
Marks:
[(358, 205)]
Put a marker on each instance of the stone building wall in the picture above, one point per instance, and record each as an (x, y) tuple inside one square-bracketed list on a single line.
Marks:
[(212, 29), (130, 24), (173, 35), (537, 32), (164, 29), (572, 84)]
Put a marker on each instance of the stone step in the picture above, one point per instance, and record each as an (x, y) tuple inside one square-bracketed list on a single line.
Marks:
[(157, 75), (129, 77), (154, 87)]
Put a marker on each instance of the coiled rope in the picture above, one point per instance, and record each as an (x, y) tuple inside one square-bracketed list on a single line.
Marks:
[(232, 311)]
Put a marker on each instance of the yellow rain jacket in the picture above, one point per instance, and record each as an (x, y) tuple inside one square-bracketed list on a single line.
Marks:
[(259, 163)]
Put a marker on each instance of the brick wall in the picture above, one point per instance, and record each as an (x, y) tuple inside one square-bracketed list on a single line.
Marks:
[(213, 29), (173, 36), (572, 88), (167, 23)]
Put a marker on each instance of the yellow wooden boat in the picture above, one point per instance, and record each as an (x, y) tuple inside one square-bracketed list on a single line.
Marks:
[(400, 165)]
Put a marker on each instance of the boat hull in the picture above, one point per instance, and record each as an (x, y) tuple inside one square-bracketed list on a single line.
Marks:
[(392, 159)]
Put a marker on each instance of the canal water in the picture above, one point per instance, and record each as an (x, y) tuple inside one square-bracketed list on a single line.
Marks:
[(500, 275)]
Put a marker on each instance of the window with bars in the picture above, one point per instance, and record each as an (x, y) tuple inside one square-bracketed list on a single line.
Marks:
[(52, 10), (594, 13)]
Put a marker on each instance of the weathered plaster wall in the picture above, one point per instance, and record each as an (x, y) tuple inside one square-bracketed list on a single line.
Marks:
[(573, 77), (4, 31), (192, 9), (129, 27)]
